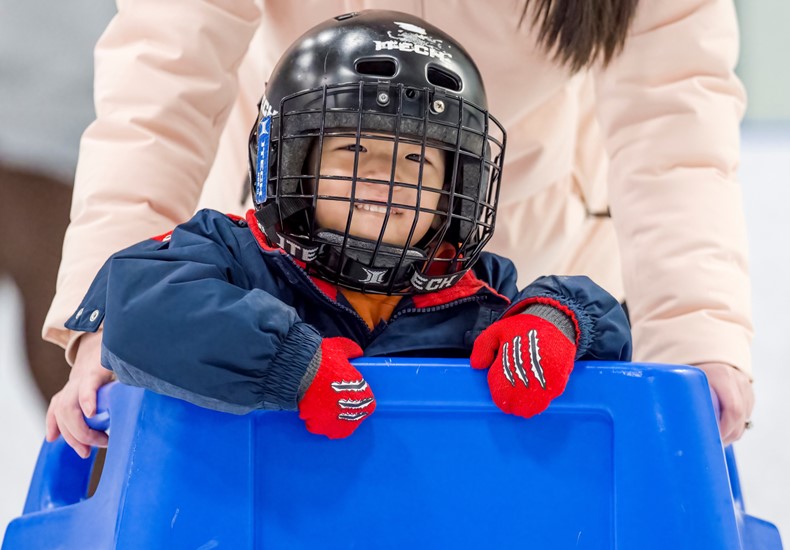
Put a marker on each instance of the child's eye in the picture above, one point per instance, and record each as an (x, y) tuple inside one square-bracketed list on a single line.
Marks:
[(353, 147), (416, 158)]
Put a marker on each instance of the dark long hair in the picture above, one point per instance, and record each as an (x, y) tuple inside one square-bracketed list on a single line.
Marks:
[(580, 32)]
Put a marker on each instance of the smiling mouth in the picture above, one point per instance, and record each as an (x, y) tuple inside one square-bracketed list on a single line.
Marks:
[(376, 209)]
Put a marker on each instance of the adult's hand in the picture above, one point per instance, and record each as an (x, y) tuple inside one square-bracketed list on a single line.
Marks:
[(78, 397), (736, 398)]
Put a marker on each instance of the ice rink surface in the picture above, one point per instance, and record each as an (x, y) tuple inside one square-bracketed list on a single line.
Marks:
[(763, 454)]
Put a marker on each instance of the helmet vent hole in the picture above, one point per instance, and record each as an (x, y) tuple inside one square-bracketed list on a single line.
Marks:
[(444, 78), (382, 67)]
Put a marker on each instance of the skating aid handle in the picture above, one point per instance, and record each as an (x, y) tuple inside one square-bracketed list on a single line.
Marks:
[(729, 457), (61, 476), (101, 420)]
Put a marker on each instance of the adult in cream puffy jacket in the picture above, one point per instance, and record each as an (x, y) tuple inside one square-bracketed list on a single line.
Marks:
[(651, 136)]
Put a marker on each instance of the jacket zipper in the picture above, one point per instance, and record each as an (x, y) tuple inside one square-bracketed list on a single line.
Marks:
[(431, 309), (441, 307), (328, 300)]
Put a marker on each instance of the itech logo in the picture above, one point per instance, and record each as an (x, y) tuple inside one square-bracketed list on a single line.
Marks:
[(411, 38), (432, 284)]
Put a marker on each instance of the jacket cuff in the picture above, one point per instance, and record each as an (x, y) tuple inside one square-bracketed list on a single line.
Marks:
[(87, 318), (281, 384), (84, 319)]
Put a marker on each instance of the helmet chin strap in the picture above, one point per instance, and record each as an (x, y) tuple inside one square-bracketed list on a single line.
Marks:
[(267, 218), (426, 283), (356, 261), (356, 267)]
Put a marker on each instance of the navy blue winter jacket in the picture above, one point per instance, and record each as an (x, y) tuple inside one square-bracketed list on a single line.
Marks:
[(210, 314)]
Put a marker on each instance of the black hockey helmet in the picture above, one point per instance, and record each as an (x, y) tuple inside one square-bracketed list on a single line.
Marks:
[(388, 76)]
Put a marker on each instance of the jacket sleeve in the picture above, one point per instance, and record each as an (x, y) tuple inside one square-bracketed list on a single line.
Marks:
[(670, 107), (603, 333), (180, 319), (165, 80)]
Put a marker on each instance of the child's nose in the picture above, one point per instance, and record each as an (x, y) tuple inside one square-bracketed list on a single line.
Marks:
[(377, 167)]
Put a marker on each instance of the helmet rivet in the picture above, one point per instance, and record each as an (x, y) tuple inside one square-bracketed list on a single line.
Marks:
[(383, 99), (438, 106)]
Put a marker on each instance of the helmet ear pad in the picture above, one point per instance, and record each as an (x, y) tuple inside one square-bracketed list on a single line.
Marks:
[(469, 197), (294, 183)]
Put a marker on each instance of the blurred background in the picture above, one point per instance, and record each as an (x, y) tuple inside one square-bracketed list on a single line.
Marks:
[(46, 102)]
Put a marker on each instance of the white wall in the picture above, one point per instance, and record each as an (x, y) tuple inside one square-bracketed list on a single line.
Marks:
[(764, 67), (764, 452), (21, 410)]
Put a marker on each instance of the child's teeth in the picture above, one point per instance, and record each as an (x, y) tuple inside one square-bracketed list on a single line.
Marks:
[(372, 208)]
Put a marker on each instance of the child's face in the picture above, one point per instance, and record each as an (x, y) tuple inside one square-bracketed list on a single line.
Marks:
[(375, 162)]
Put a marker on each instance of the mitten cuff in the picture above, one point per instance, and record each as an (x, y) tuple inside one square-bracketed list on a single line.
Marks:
[(309, 374), (555, 316), (582, 324)]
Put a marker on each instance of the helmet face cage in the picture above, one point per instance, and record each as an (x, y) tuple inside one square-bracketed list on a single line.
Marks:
[(286, 147)]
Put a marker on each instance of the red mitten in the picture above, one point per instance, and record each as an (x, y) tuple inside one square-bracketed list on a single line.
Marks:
[(530, 359), (338, 399)]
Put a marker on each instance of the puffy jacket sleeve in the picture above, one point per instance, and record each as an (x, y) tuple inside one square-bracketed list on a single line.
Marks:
[(670, 107), (179, 318), (165, 81), (602, 327)]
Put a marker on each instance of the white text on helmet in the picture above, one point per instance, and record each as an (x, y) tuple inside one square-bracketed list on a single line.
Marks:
[(410, 47)]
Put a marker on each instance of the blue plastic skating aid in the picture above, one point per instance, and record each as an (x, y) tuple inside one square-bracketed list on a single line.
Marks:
[(628, 457)]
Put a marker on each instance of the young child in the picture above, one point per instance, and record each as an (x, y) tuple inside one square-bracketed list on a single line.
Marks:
[(375, 173)]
